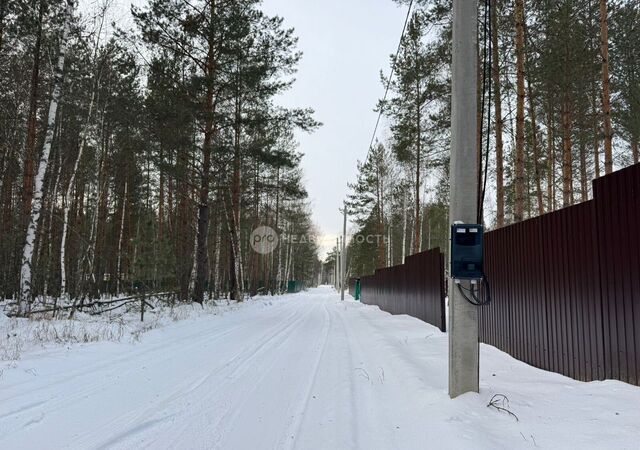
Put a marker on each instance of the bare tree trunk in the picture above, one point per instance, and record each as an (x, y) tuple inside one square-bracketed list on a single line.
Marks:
[(279, 269), (380, 216), (119, 263), (202, 256), (498, 115), (68, 198), (36, 203), (551, 158), (418, 234), (182, 230), (235, 272), (276, 288), (52, 208), (404, 226), (634, 149), (390, 246), (30, 149), (596, 132), (99, 216), (584, 181), (606, 95), (567, 162), (161, 197), (536, 152), (170, 209), (594, 45), (519, 163), (534, 138), (83, 140), (288, 272), (411, 240), (202, 259), (216, 261), (3, 13), (479, 130)]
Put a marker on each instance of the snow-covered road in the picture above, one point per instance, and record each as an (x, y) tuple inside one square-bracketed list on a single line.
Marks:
[(303, 371)]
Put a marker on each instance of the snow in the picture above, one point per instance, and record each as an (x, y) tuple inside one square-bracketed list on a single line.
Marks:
[(303, 371)]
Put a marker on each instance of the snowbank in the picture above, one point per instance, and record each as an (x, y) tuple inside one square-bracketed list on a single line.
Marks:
[(20, 335)]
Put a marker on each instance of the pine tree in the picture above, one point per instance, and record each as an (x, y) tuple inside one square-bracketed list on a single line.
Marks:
[(625, 60), (606, 93), (368, 197)]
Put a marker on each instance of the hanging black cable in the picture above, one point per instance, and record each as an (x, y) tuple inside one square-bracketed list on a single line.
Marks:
[(489, 94), (481, 298), (393, 69), (487, 60)]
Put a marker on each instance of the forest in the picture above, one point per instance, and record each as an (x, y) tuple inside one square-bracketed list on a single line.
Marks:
[(558, 105), (139, 160)]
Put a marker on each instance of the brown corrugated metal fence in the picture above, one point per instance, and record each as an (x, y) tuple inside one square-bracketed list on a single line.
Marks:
[(415, 288), (566, 285)]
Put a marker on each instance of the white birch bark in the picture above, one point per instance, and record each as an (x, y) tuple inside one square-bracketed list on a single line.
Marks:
[(234, 236), (404, 226), (279, 268), (54, 197), (216, 262), (390, 246), (288, 265), (119, 265), (422, 213), (36, 203), (83, 142), (194, 266), (239, 265), (93, 234)]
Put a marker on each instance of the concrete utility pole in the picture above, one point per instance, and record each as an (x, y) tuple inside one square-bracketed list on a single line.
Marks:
[(337, 278), (339, 262), (463, 317), (343, 265)]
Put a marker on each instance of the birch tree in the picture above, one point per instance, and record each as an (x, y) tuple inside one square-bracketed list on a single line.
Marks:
[(83, 141), (36, 203)]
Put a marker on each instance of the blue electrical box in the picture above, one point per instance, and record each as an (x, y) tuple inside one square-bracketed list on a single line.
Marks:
[(467, 249)]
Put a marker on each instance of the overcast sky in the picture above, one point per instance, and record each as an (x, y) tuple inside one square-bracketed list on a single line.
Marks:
[(345, 44)]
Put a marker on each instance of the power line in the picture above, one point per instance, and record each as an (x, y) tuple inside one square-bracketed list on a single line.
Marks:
[(393, 68), (486, 92)]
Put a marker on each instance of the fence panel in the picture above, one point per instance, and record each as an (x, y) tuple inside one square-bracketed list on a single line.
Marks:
[(617, 199), (566, 285), (415, 288)]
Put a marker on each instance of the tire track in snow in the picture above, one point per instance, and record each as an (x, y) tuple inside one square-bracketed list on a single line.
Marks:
[(298, 416), (195, 338), (160, 353), (365, 391), (191, 407), (230, 416)]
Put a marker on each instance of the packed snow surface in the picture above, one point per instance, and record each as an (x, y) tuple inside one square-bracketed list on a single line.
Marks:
[(304, 371)]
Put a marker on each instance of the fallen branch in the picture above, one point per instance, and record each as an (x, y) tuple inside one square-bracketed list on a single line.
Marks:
[(501, 403), (126, 300)]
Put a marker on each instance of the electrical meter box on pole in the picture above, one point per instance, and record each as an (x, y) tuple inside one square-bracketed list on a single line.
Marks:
[(467, 249)]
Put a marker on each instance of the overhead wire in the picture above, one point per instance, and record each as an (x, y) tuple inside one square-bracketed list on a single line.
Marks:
[(487, 65), (391, 74)]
